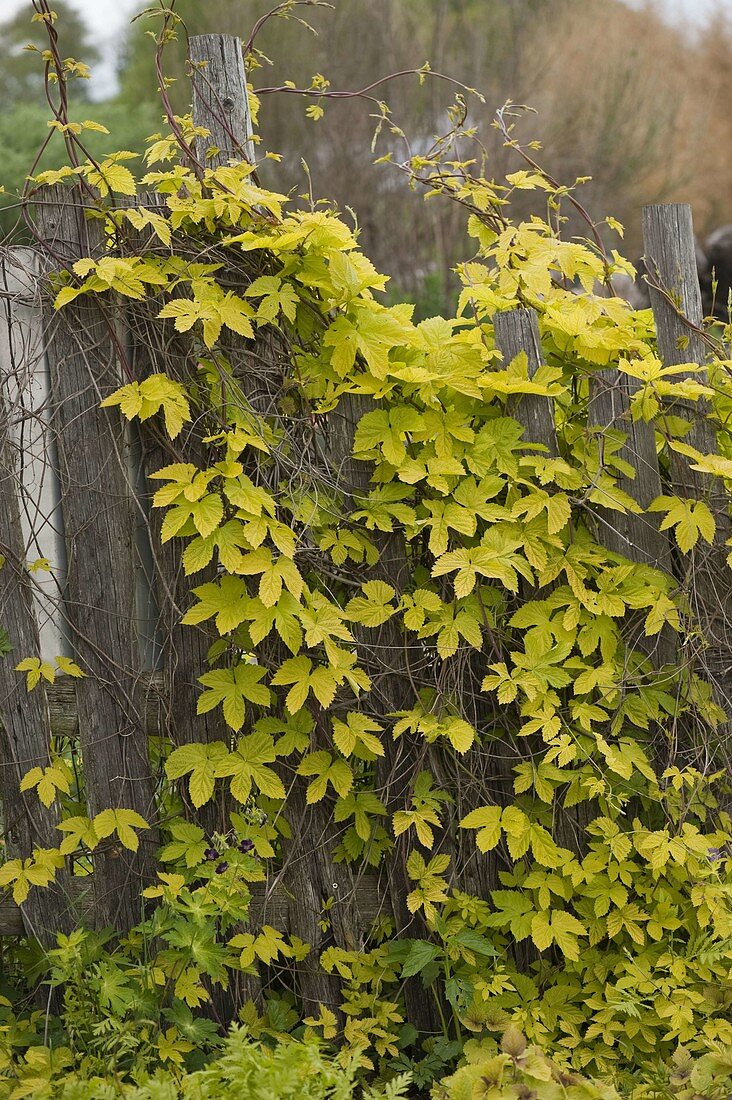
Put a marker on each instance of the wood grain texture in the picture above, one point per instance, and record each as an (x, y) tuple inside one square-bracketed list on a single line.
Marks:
[(220, 100), (517, 331), (634, 536), (100, 602), (670, 260), (221, 106), (393, 667), (309, 873), (673, 283), (25, 722)]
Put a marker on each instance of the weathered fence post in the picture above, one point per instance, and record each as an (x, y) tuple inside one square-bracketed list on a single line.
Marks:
[(673, 283), (221, 106), (517, 331), (25, 724), (670, 262), (100, 589), (220, 99), (390, 663)]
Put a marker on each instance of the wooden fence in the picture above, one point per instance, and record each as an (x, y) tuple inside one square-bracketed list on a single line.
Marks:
[(72, 489)]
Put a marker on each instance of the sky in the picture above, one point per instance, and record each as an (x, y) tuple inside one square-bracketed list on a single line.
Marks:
[(108, 18)]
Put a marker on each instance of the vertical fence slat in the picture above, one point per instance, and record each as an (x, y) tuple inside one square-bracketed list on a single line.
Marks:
[(390, 662), (221, 105), (634, 536), (673, 282), (670, 262), (27, 400), (99, 534), (25, 723), (220, 99), (517, 331)]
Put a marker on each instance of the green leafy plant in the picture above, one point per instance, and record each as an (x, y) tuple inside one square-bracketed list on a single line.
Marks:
[(244, 1069)]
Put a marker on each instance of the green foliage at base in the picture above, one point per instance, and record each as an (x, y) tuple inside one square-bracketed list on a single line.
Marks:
[(242, 1070), (510, 1069)]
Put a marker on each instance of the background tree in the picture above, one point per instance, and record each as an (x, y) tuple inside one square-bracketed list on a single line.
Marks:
[(21, 71), (24, 119)]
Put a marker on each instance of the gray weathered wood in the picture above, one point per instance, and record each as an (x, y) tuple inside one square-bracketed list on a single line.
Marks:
[(98, 527), (65, 716), (670, 261), (221, 105), (25, 724), (673, 282), (517, 331), (390, 662), (309, 872), (635, 536), (220, 100)]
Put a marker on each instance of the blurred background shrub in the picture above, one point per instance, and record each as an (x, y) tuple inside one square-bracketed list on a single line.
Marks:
[(637, 102)]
